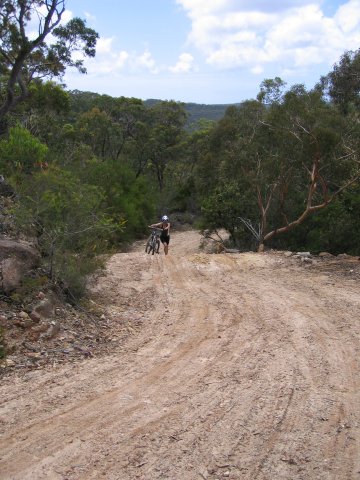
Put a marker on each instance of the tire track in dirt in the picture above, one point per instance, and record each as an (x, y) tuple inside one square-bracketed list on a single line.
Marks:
[(245, 367)]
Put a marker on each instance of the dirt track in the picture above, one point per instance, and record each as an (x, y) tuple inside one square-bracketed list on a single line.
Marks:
[(238, 366)]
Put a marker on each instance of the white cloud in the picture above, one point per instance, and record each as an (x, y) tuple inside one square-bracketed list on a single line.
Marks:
[(90, 17), (295, 34), (257, 70), (66, 16), (198, 8), (348, 16), (104, 45), (184, 64), (122, 58), (145, 61), (109, 61)]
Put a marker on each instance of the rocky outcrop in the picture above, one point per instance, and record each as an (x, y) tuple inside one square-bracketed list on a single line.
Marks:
[(16, 260)]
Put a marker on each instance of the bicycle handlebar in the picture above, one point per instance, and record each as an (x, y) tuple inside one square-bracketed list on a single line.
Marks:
[(157, 230)]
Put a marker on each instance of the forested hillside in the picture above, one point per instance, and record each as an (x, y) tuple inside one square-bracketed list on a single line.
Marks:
[(87, 172), (196, 112)]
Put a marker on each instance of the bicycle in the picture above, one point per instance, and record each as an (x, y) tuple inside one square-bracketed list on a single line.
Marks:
[(153, 242)]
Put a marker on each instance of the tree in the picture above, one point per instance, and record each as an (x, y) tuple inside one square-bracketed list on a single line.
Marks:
[(271, 90), (24, 59), (70, 224), (167, 127), (343, 83), (320, 164), (290, 160)]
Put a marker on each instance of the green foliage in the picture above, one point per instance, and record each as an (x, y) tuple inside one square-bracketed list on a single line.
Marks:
[(342, 84), (73, 271), (224, 208), (25, 58), (64, 211), (48, 96), (279, 164), (334, 229), (67, 217), (271, 91), (127, 199), (21, 152), (197, 112)]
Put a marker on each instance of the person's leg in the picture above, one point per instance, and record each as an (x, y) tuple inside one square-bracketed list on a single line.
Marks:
[(165, 239), (166, 244)]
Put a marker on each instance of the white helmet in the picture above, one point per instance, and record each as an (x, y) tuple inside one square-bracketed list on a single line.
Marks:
[(164, 218)]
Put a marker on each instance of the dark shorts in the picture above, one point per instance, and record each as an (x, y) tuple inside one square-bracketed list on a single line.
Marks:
[(165, 238)]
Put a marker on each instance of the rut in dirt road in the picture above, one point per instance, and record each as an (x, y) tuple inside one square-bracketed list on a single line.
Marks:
[(238, 366)]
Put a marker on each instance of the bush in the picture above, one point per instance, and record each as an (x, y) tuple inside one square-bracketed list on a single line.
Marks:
[(73, 271)]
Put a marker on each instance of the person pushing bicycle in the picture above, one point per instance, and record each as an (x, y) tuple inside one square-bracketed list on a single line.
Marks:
[(164, 226)]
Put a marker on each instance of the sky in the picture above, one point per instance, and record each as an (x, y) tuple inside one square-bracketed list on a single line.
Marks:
[(211, 51)]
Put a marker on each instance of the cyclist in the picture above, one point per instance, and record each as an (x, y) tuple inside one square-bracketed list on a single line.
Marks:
[(164, 225)]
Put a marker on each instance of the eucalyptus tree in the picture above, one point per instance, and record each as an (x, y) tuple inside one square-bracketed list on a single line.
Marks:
[(167, 121), (316, 159), (184, 182), (289, 159), (26, 58), (227, 173), (342, 84)]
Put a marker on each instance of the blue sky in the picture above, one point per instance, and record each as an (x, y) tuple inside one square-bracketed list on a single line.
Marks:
[(211, 51)]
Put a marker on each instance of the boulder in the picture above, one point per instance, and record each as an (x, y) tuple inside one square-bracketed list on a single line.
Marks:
[(16, 260), (51, 332), (45, 309)]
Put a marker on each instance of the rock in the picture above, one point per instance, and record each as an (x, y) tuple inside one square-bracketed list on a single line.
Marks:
[(288, 254), (38, 330), (30, 347), (34, 354), (44, 309), (16, 260), (51, 332), (306, 260), (303, 254), (325, 254), (23, 322), (23, 315), (35, 317)]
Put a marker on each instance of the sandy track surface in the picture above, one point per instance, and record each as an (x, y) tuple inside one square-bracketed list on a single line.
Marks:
[(238, 366)]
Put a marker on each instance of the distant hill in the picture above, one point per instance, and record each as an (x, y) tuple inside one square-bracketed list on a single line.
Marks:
[(82, 101), (198, 111)]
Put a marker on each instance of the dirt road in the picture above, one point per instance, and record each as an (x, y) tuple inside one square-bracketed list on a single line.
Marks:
[(238, 366)]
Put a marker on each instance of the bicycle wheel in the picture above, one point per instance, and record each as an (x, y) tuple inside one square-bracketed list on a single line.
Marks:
[(151, 247)]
